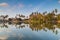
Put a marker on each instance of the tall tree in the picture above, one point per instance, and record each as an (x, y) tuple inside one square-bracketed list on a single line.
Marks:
[(44, 12), (56, 10)]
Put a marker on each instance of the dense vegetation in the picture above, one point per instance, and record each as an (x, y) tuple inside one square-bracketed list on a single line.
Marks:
[(35, 17), (37, 21), (53, 17)]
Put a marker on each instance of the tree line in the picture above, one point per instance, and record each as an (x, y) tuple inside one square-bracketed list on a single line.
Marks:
[(37, 17)]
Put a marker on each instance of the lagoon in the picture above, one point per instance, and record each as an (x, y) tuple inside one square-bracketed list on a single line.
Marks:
[(27, 32)]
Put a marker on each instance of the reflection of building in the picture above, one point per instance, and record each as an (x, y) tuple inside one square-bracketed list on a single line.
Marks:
[(19, 26), (2, 25), (1, 18), (15, 20)]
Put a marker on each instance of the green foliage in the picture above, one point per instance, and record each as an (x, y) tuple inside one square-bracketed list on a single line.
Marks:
[(37, 17)]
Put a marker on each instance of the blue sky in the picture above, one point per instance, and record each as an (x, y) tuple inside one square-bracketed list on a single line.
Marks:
[(26, 7)]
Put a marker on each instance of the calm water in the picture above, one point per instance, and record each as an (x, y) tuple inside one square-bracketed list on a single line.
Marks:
[(29, 32)]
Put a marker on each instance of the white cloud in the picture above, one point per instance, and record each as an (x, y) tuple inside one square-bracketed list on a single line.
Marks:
[(21, 5), (3, 4), (11, 9), (59, 1)]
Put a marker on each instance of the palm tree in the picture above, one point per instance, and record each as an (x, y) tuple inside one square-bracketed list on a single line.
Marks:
[(32, 14), (44, 12), (4, 17), (56, 10)]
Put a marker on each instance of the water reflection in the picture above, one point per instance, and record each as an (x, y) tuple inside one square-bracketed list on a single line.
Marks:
[(45, 27), (34, 27), (21, 31)]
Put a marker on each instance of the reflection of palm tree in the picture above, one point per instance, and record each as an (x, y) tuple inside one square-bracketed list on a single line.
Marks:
[(45, 26), (19, 26)]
